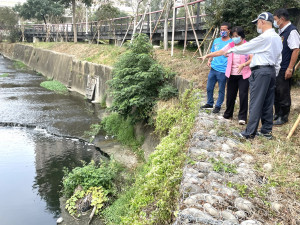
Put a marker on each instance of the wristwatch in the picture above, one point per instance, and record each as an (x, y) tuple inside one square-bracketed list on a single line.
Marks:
[(291, 70)]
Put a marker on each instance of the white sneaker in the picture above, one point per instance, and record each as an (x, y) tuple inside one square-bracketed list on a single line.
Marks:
[(242, 122)]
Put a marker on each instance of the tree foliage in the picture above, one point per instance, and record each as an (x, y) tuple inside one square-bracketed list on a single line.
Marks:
[(107, 11), (8, 17), (241, 13), (40, 9), (137, 79)]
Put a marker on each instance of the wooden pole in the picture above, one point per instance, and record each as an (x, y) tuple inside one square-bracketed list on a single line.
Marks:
[(211, 41), (173, 28), (294, 127), (158, 21), (202, 41), (297, 66), (191, 21), (126, 33), (185, 33)]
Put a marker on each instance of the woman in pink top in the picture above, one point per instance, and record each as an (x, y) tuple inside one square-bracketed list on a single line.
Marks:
[(237, 73)]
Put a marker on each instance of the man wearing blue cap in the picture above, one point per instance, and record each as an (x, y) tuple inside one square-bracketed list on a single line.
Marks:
[(265, 65)]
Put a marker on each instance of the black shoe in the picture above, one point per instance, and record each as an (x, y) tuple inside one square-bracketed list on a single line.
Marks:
[(216, 109), (241, 136), (280, 121), (266, 135), (206, 106), (275, 117)]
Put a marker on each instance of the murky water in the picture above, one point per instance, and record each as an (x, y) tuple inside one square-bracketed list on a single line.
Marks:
[(31, 159)]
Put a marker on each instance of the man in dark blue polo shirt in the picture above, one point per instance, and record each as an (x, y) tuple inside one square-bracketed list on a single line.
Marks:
[(291, 40)]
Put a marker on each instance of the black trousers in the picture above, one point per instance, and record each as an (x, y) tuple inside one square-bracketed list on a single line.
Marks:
[(282, 103), (235, 84), (262, 94)]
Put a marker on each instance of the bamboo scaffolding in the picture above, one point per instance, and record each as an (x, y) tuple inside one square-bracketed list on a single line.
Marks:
[(294, 127)]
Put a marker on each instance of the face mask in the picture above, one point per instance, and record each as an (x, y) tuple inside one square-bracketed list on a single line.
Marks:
[(275, 24), (259, 30), (223, 34), (236, 40)]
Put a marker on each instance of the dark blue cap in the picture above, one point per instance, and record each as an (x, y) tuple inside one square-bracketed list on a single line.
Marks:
[(264, 16)]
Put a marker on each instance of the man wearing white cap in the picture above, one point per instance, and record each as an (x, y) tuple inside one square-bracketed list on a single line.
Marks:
[(265, 65)]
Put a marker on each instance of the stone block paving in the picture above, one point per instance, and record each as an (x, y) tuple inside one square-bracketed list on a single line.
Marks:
[(206, 196)]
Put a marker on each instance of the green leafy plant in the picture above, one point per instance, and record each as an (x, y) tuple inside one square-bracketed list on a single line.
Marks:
[(98, 198), (55, 85), (137, 79), (71, 202), (220, 166), (167, 91), (91, 175)]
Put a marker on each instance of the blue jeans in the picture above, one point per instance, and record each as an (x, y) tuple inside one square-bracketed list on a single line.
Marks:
[(213, 77)]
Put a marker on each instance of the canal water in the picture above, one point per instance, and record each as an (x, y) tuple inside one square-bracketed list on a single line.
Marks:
[(38, 130)]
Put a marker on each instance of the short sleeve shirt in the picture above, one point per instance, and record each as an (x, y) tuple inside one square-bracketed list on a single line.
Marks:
[(219, 63)]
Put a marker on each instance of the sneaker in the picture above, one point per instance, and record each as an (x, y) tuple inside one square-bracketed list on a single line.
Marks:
[(242, 122), (216, 109), (268, 136), (206, 106)]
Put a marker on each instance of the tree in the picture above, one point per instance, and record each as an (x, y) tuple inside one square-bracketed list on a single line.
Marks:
[(241, 13), (72, 3), (107, 11), (138, 81), (39, 9), (8, 20), (8, 17)]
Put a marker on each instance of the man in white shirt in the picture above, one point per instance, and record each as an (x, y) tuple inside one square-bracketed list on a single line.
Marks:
[(265, 65), (291, 42)]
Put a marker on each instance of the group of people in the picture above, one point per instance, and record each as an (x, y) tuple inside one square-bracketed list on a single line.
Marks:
[(265, 64)]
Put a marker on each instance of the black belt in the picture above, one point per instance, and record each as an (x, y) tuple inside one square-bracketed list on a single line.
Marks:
[(259, 67)]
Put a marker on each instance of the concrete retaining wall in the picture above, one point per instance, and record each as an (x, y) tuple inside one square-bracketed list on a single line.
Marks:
[(76, 75), (73, 73)]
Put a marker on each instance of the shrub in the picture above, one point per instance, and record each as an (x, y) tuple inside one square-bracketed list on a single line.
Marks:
[(91, 175), (167, 91), (137, 79)]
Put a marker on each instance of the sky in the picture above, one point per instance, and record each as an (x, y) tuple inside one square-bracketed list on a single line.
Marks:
[(10, 3)]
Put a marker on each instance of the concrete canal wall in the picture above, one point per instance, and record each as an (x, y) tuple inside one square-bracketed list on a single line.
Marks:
[(79, 76)]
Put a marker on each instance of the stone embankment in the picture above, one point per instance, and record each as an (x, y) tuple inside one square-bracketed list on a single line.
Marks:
[(212, 186)]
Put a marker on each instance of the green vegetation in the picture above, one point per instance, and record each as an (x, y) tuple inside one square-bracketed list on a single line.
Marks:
[(97, 195), (4, 75), (220, 166), (54, 85), (19, 65), (91, 175), (153, 196), (123, 130), (137, 79), (241, 13)]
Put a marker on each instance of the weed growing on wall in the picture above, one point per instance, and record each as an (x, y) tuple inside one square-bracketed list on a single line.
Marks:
[(123, 130), (153, 196), (137, 80), (19, 65)]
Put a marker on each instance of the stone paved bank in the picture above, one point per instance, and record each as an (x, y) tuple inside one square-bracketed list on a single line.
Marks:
[(213, 178)]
